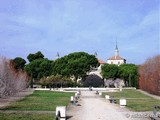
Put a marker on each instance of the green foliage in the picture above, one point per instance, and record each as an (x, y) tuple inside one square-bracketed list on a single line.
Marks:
[(110, 71), (77, 64), (32, 57), (18, 63), (39, 68), (53, 80), (129, 72)]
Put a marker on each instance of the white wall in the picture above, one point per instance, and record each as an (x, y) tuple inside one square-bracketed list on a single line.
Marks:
[(117, 62)]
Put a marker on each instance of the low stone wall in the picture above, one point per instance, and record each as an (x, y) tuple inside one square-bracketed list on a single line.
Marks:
[(84, 89)]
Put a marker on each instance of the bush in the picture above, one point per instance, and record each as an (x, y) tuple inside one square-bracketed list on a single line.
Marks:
[(93, 80)]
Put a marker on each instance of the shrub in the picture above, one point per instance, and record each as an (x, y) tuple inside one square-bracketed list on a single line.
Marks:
[(93, 80)]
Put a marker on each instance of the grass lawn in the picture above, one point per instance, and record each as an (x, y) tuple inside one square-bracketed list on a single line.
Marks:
[(25, 116), (41, 100), (136, 101)]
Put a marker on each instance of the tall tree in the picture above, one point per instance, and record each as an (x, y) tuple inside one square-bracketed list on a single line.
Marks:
[(37, 55), (129, 72), (11, 80), (77, 64), (18, 63), (149, 75), (110, 71), (39, 68)]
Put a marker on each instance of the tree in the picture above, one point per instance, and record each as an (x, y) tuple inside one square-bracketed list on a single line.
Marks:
[(129, 72), (149, 75), (76, 64), (32, 57), (55, 81), (11, 80), (110, 71), (39, 68), (18, 63)]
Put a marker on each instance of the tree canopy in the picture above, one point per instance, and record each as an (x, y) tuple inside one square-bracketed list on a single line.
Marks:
[(18, 63), (37, 55), (77, 64), (110, 71), (128, 72), (39, 68)]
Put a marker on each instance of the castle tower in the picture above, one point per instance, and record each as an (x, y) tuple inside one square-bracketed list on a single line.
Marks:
[(116, 59), (95, 54), (116, 51), (57, 56)]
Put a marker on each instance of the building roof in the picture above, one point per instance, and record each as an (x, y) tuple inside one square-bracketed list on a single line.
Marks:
[(116, 58), (101, 61)]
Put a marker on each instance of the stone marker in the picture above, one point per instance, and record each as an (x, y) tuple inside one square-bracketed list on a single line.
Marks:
[(100, 93), (120, 89), (72, 99), (122, 102), (107, 97), (61, 113)]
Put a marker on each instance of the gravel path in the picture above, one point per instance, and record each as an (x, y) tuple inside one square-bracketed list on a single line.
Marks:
[(94, 107), (151, 95)]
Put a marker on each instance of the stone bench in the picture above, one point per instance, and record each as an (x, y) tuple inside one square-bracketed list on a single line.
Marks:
[(112, 99), (97, 93), (79, 92), (155, 116), (77, 95), (73, 100)]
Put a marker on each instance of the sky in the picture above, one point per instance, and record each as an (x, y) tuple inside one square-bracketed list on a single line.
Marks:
[(66, 26)]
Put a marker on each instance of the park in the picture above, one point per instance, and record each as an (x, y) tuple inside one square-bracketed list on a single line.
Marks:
[(40, 104), (79, 60), (64, 98)]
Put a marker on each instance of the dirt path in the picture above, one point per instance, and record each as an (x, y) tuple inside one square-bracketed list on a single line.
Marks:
[(94, 107), (6, 101), (151, 95)]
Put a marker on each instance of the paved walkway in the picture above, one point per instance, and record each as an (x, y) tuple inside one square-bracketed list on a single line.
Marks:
[(94, 107)]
